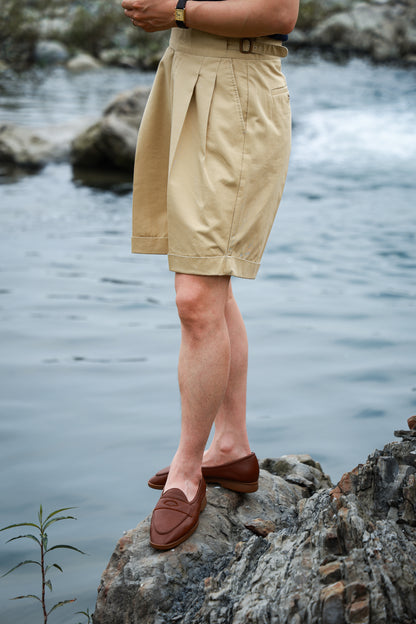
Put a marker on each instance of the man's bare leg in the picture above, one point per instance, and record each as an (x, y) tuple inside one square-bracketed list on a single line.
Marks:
[(230, 439), (203, 371)]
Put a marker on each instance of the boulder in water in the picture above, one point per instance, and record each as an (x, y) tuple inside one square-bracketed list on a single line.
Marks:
[(83, 63), (26, 147), (111, 142), (51, 52)]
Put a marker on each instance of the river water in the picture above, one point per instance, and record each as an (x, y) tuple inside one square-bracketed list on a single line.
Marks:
[(89, 333)]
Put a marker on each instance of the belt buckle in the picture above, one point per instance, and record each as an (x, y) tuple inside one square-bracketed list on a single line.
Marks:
[(243, 45)]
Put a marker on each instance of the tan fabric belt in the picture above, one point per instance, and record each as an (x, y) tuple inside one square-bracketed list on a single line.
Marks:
[(204, 44), (254, 46)]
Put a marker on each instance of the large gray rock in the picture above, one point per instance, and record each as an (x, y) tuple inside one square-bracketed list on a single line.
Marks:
[(298, 551), (111, 142), (364, 29), (382, 30), (32, 148), (26, 147)]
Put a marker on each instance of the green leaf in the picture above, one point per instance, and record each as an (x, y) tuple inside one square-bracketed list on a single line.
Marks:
[(53, 565), (45, 542), (68, 547), (40, 514), (45, 526), (22, 563), (48, 584), (29, 536), (86, 613), (60, 604), (12, 526), (58, 511), (28, 596)]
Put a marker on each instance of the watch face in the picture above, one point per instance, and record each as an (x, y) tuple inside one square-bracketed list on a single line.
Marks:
[(180, 15)]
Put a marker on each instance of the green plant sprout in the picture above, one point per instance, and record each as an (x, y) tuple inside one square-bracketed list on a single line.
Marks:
[(87, 615), (42, 541)]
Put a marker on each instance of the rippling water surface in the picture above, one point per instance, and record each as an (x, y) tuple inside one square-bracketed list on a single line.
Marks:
[(89, 334)]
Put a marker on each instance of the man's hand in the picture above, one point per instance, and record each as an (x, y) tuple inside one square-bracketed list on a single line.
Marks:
[(151, 15)]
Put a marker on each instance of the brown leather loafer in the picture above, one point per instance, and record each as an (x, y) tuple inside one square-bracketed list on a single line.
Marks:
[(174, 518), (240, 475)]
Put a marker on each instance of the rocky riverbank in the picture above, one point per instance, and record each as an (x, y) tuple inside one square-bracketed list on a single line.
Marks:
[(298, 551), (45, 32)]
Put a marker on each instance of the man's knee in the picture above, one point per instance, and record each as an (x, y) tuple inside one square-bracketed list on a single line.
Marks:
[(193, 308), (199, 305)]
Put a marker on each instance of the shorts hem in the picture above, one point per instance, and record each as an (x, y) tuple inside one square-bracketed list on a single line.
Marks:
[(149, 245), (215, 265)]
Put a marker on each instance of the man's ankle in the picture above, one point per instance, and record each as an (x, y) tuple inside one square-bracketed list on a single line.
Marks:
[(222, 454)]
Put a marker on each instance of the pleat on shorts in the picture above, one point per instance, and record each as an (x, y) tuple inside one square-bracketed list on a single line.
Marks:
[(212, 155)]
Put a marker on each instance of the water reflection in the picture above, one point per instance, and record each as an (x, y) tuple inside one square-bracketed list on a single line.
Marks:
[(114, 180)]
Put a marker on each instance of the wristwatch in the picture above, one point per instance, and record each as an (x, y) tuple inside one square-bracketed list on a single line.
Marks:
[(180, 14)]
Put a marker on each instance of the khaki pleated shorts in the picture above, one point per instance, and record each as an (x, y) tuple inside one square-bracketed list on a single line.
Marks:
[(212, 154)]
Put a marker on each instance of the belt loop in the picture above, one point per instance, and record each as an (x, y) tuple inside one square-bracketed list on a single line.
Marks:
[(244, 43)]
